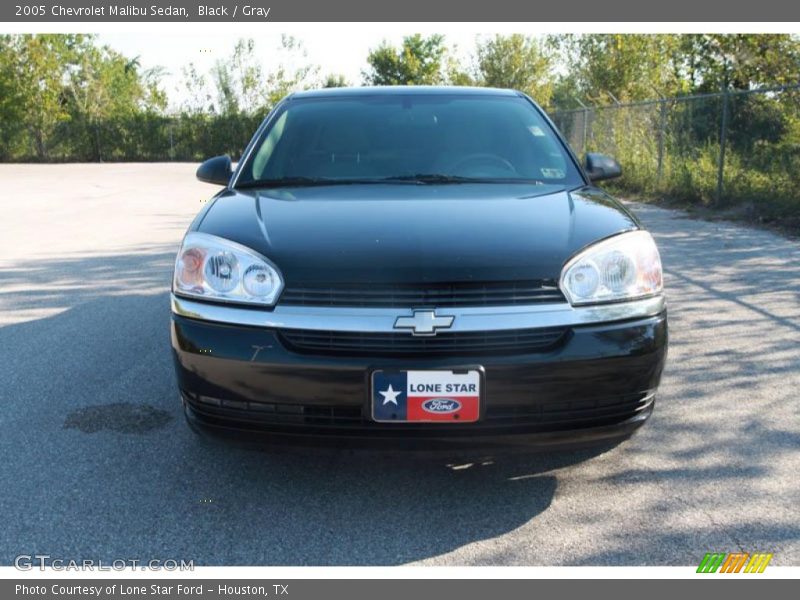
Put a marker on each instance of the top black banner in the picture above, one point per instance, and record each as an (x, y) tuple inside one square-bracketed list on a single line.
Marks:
[(607, 11)]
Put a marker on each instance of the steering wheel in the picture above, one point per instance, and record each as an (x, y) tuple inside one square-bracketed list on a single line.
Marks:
[(485, 159)]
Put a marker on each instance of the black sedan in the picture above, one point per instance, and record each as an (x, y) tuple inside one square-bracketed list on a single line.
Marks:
[(418, 267)]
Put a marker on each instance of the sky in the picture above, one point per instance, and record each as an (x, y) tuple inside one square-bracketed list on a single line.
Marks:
[(346, 55)]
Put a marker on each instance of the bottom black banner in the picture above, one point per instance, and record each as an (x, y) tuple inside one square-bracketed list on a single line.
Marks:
[(316, 589)]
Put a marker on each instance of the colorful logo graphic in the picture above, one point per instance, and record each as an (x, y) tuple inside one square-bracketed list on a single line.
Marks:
[(734, 562)]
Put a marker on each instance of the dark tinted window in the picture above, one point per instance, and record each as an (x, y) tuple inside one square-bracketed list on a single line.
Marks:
[(375, 137)]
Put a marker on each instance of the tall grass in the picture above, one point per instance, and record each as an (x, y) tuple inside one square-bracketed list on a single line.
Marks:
[(761, 171)]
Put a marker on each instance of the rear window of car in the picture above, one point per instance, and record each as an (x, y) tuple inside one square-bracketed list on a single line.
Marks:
[(385, 136)]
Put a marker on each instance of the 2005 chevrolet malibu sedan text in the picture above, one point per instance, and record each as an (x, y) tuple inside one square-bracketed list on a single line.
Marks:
[(418, 267)]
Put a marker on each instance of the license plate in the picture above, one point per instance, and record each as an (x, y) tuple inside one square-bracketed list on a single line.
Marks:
[(426, 396)]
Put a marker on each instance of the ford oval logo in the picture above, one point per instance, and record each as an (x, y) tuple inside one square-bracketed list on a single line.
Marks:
[(441, 406)]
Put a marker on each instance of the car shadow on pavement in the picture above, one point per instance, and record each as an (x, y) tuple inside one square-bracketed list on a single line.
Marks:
[(353, 508)]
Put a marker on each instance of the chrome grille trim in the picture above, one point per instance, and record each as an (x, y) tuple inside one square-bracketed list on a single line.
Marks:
[(377, 320)]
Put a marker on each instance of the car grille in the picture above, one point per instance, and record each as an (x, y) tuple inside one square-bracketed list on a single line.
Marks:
[(278, 413), (542, 416), (573, 412), (513, 341), (409, 296)]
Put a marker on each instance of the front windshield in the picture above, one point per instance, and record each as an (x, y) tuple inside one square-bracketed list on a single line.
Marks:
[(429, 138)]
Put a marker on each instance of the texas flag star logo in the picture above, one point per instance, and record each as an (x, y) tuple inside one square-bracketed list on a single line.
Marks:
[(390, 395)]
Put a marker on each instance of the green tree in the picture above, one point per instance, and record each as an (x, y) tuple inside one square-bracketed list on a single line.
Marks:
[(518, 62), (199, 97), (712, 62), (419, 61), (334, 81), (51, 82), (102, 86), (11, 103), (239, 80), (739, 61), (33, 67), (626, 66), (291, 71), (242, 84), (458, 75)]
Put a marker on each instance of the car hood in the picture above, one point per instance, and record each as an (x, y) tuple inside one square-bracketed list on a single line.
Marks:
[(416, 233)]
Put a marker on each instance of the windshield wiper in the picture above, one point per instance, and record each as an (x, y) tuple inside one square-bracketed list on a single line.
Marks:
[(435, 178), (305, 182), (319, 181), (287, 182), (429, 178)]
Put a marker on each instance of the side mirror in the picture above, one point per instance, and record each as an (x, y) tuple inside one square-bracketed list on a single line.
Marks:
[(216, 170), (599, 167)]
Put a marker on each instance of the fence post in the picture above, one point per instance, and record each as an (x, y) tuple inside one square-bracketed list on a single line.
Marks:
[(723, 135), (662, 132), (98, 147), (585, 129), (171, 142), (585, 124)]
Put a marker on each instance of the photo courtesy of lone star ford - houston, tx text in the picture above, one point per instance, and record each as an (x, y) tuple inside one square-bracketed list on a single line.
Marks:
[(424, 299)]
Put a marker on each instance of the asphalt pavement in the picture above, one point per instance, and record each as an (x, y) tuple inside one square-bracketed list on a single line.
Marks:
[(97, 461)]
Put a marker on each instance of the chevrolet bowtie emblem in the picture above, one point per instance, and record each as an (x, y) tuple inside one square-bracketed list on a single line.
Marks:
[(424, 322)]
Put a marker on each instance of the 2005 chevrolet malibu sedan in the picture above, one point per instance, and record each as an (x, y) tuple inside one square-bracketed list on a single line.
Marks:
[(424, 267)]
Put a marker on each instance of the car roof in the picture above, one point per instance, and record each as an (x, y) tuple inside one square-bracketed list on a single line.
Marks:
[(404, 90)]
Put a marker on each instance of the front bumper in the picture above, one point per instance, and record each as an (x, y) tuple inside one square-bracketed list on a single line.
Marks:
[(597, 385)]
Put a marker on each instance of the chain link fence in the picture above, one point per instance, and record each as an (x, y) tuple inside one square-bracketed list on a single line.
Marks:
[(721, 149)]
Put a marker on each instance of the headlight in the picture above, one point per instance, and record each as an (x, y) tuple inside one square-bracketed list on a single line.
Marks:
[(214, 268), (624, 267)]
